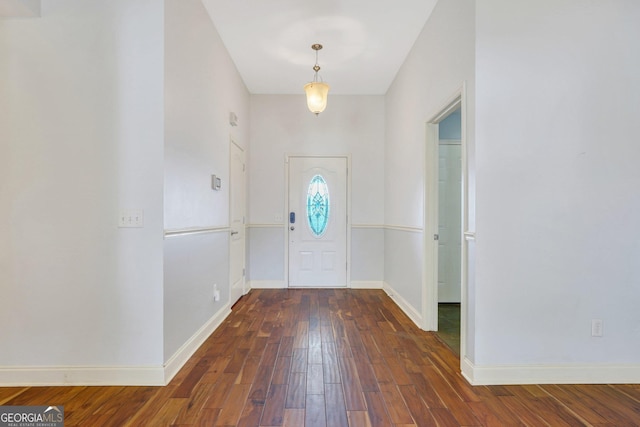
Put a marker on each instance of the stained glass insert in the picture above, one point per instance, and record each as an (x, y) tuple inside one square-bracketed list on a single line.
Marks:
[(318, 205)]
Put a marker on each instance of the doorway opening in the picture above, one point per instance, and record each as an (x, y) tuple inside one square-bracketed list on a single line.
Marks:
[(450, 228), (445, 287)]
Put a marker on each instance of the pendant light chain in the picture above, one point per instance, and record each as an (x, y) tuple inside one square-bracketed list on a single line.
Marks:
[(316, 90)]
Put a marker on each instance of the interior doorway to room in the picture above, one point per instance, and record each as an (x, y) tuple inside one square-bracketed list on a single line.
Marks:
[(446, 218), (317, 221), (450, 229)]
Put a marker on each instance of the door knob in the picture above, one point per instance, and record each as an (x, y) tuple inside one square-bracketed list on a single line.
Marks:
[(292, 228)]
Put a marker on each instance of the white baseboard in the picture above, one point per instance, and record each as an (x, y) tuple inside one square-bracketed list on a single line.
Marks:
[(550, 374), (280, 284), (266, 284), (28, 376), (367, 284), (180, 357), (404, 305)]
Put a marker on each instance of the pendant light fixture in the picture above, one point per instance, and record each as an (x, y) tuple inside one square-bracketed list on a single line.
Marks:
[(316, 90)]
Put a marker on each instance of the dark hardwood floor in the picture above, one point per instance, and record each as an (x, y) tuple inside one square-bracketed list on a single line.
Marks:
[(330, 358)]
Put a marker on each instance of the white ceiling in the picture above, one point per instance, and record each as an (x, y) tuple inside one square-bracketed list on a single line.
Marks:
[(365, 41)]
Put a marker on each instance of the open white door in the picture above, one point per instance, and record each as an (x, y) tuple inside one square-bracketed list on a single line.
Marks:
[(237, 187), (317, 222)]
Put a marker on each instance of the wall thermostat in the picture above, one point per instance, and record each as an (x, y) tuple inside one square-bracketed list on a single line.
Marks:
[(216, 182)]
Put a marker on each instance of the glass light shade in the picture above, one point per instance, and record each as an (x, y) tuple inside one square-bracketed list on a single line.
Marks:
[(316, 96)]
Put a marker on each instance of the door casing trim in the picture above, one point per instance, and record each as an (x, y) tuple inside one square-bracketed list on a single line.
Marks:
[(430, 262)]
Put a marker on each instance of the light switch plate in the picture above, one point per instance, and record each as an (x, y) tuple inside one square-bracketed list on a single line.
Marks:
[(216, 182)]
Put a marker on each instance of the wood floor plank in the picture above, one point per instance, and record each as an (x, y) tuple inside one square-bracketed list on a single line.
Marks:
[(151, 407), (166, 414), (452, 401), (237, 361), (299, 361), (358, 419), (54, 396), (120, 407), (336, 411), (8, 393), (353, 396), (368, 380), (526, 415), (251, 413), (421, 414), (545, 407), (315, 380), (371, 348), (296, 391), (445, 418), (376, 409), (382, 373), (426, 390), (587, 408), (193, 378), (314, 355), (293, 418), (232, 409), (215, 370), (395, 405), (98, 400), (195, 404), (207, 417), (282, 370), (270, 354), (400, 375), (610, 396), (302, 335), (286, 346), (218, 396), (261, 382), (273, 414), (314, 414), (331, 368)]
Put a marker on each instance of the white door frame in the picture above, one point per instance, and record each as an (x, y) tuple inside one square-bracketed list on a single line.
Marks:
[(430, 264), (287, 210), (233, 143)]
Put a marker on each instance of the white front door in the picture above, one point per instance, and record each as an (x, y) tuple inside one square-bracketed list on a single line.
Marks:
[(317, 221), (449, 221), (237, 185)]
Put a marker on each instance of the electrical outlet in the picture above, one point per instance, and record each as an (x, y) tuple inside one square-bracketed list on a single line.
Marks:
[(131, 219), (596, 328)]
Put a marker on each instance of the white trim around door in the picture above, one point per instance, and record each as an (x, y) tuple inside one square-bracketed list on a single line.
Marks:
[(430, 265)]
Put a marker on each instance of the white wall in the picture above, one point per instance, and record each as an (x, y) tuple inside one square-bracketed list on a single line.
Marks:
[(202, 86), (441, 61), (81, 130), (282, 124), (557, 210)]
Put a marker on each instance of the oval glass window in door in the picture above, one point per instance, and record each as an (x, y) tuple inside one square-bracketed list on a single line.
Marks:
[(318, 205)]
